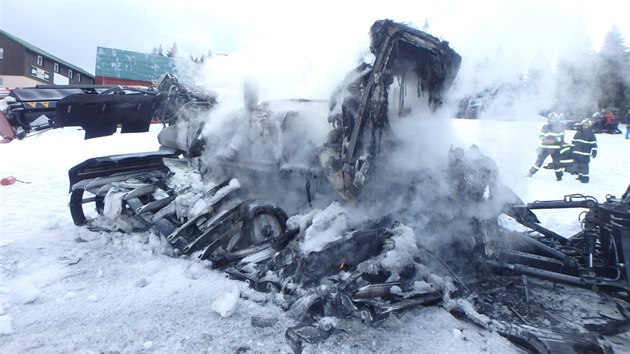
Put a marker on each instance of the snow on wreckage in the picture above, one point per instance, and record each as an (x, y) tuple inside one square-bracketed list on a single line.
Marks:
[(320, 214)]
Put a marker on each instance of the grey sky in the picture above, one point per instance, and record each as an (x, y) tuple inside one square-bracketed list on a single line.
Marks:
[(72, 29)]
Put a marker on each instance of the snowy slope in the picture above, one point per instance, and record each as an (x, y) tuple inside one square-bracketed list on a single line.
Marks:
[(64, 289)]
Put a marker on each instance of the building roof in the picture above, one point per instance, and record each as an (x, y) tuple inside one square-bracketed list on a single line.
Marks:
[(39, 51), (125, 64)]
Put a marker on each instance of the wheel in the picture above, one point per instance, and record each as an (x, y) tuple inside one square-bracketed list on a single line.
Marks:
[(262, 223), (76, 206)]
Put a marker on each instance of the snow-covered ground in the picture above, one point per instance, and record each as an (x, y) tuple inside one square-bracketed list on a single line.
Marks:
[(65, 289)]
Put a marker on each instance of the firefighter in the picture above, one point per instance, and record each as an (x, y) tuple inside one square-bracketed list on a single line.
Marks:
[(551, 142), (609, 122), (585, 147), (566, 158)]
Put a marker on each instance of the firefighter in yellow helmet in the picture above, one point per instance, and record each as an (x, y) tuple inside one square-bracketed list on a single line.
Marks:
[(551, 142), (584, 147)]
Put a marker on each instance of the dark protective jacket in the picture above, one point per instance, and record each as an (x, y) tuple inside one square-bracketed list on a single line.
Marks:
[(551, 136), (566, 155), (585, 143)]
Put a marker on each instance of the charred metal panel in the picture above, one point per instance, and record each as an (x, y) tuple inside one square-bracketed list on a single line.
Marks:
[(359, 106), (100, 115)]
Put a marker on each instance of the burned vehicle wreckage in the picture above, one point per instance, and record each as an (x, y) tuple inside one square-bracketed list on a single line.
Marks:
[(266, 204)]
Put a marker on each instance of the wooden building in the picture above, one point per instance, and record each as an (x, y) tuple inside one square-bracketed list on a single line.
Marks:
[(23, 65)]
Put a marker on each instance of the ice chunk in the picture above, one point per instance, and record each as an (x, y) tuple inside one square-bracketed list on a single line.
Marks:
[(113, 203), (404, 252), (328, 226), (24, 292), (225, 305)]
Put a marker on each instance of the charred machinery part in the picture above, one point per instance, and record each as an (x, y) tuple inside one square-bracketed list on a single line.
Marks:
[(344, 254), (181, 103), (344, 280), (360, 105), (369, 293), (307, 332), (30, 110), (107, 110), (539, 322), (91, 180), (596, 257), (228, 228), (99, 109)]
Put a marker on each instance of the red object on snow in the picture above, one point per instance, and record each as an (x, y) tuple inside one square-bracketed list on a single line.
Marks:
[(7, 181)]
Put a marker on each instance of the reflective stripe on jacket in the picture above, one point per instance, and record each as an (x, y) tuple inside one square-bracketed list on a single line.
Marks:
[(584, 142), (551, 137)]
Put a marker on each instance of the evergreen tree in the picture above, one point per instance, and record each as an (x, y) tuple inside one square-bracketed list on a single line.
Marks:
[(426, 26), (157, 50), (614, 73), (199, 60), (172, 53)]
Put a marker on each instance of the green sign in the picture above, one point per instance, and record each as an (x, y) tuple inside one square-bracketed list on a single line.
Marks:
[(40, 73)]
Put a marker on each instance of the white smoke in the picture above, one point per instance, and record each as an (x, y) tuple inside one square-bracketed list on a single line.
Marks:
[(294, 53)]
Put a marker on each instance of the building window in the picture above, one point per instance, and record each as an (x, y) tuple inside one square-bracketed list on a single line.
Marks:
[(40, 60), (1, 81), (70, 74), (79, 77), (1, 53), (56, 68)]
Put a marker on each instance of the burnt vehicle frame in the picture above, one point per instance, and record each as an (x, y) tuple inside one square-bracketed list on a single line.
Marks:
[(250, 239)]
